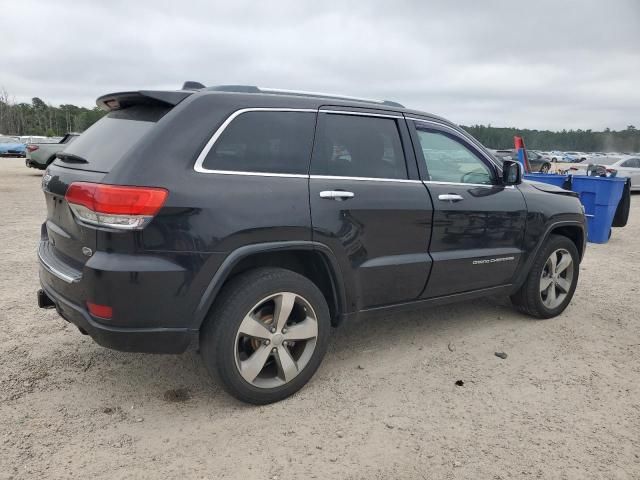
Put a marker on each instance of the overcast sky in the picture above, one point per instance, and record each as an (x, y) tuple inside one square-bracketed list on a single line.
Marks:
[(531, 64)]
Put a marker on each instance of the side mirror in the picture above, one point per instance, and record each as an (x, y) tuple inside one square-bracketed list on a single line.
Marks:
[(511, 173)]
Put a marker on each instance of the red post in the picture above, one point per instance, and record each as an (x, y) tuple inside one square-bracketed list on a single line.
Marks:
[(522, 153)]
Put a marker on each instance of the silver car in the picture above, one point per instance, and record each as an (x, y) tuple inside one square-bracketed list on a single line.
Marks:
[(627, 166)]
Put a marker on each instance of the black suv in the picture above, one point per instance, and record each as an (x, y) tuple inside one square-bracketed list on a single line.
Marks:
[(253, 220)]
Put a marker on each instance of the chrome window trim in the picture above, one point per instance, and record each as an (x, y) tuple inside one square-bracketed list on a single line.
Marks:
[(362, 114), (371, 179), (486, 185), (207, 148), (198, 167), (459, 134), (256, 174)]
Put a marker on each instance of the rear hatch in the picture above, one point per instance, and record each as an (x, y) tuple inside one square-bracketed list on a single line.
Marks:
[(66, 242)]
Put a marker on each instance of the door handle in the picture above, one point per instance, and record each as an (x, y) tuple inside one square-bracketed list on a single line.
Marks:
[(336, 194), (450, 197)]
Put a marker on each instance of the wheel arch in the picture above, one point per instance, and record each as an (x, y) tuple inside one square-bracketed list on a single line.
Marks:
[(573, 230), (311, 259)]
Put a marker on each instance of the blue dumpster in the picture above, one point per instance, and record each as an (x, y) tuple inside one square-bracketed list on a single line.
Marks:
[(562, 181), (600, 197)]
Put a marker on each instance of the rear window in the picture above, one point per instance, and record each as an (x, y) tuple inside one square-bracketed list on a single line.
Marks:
[(265, 142), (104, 143)]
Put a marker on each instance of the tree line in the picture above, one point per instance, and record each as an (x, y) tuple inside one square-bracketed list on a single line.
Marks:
[(40, 118), (627, 140)]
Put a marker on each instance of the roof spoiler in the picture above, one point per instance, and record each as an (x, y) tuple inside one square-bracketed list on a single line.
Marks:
[(116, 101)]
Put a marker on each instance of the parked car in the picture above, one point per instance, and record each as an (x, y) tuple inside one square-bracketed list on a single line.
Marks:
[(26, 139), (574, 157), (536, 161), (626, 166), (11, 147), (40, 155), (251, 221)]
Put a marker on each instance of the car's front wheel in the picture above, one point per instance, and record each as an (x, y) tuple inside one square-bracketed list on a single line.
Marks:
[(266, 335), (552, 279)]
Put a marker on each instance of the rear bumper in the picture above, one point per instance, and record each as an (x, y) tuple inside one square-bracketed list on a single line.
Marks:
[(31, 164), (145, 340)]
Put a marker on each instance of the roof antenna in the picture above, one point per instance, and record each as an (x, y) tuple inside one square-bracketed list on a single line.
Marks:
[(191, 85)]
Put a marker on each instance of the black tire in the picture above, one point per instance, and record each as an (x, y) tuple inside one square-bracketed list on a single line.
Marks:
[(624, 207), (545, 168), (218, 342), (528, 298)]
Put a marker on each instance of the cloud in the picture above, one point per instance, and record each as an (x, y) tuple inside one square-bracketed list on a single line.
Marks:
[(544, 64)]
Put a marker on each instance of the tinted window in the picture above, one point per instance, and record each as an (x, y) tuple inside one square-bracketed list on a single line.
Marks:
[(358, 146), (107, 140), (267, 142), (448, 160)]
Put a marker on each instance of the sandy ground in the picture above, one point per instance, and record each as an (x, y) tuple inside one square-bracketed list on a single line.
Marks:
[(564, 404)]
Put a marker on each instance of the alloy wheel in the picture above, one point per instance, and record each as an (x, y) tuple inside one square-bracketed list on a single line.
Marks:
[(275, 340), (556, 278)]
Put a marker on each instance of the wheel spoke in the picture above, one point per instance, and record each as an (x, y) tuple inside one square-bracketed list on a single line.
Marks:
[(284, 304), (552, 296), (545, 282), (552, 262), (287, 366), (564, 284), (304, 330), (251, 367), (253, 328), (563, 264)]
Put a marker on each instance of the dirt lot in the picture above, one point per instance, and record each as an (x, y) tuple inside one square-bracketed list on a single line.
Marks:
[(565, 403)]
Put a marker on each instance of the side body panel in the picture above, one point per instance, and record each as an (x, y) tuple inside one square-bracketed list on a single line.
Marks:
[(478, 229), (380, 235)]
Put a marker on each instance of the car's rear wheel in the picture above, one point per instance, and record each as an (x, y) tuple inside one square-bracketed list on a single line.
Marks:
[(545, 168), (266, 335), (552, 280)]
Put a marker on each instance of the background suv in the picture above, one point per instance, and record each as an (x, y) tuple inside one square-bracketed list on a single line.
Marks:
[(253, 220)]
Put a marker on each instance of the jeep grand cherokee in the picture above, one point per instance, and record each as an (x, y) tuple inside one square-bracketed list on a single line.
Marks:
[(252, 221)]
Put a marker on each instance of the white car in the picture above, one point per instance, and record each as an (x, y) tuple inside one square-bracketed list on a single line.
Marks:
[(627, 166)]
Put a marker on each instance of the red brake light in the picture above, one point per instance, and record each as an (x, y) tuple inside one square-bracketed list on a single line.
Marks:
[(116, 199), (32, 148), (115, 206), (102, 311)]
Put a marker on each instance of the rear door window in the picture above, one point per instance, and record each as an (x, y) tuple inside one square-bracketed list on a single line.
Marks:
[(110, 138), (265, 142), (358, 146)]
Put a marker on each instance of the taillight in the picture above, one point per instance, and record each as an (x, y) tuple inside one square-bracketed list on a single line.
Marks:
[(32, 148), (115, 206)]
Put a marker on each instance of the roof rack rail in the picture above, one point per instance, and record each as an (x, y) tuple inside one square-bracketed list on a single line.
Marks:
[(298, 93)]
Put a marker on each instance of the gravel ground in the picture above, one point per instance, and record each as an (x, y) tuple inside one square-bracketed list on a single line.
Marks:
[(564, 404)]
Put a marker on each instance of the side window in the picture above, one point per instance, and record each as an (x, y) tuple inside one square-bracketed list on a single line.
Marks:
[(632, 163), (266, 142), (358, 146), (448, 160)]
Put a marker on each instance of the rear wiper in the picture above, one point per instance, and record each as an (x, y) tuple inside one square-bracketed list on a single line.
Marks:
[(71, 158)]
